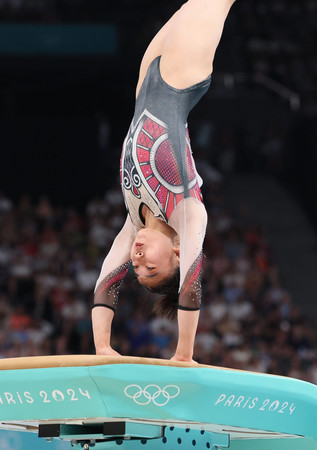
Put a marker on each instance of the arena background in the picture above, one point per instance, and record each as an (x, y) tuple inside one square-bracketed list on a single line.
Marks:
[(68, 71)]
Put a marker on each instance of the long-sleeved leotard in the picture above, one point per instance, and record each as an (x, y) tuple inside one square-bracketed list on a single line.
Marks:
[(157, 170)]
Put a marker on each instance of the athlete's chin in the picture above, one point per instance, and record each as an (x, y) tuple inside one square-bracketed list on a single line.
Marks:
[(144, 235), (140, 233)]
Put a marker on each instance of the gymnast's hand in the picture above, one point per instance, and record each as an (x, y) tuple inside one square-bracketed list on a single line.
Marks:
[(107, 351)]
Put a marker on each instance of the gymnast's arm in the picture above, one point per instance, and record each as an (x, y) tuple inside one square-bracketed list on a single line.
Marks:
[(190, 221), (113, 271)]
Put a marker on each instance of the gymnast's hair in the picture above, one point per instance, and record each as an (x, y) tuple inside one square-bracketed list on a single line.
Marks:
[(167, 305)]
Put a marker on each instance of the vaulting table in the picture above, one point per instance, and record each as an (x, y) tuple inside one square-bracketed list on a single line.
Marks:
[(105, 402)]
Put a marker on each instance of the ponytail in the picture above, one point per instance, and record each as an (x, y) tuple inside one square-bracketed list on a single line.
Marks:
[(167, 305)]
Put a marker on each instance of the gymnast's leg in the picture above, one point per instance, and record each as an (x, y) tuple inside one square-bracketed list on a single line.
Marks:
[(188, 42)]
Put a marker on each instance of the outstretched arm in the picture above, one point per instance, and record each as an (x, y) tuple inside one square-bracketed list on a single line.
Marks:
[(190, 221), (114, 269)]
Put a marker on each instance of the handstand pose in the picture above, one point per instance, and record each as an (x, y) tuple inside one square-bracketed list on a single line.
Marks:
[(166, 222)]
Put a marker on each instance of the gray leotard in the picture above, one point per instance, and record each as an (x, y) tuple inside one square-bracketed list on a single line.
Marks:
[(157, 168)]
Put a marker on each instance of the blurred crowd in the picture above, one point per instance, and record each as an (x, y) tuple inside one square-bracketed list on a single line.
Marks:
[(50, 258)]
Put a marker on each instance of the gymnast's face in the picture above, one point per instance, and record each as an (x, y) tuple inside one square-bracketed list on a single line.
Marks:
[(154, 257)]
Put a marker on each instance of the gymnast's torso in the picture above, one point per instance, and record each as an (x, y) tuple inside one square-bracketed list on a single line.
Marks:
[(157, 168)]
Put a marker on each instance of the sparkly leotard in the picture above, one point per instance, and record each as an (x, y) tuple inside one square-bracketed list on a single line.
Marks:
[(157, 167), (157, 170)]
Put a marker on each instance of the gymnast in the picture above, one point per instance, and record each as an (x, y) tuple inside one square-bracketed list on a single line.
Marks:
[(166, 219)]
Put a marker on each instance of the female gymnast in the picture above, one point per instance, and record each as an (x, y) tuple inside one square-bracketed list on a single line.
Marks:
[(166, 220)]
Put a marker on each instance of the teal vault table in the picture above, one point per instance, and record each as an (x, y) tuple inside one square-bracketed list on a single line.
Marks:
[(101, 402)]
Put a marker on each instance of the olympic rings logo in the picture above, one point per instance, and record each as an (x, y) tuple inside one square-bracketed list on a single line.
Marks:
[(152, 393)]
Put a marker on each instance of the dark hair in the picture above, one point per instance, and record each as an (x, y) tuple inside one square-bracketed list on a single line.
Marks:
[(167, 305)]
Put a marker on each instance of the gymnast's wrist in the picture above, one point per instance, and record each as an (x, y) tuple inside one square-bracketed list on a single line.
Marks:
[(184, 357), (103, 349), (184, 351), (102, 341)]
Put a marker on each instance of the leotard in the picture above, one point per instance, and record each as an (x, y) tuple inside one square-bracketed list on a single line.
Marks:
[(157, 170), (157, 167)]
